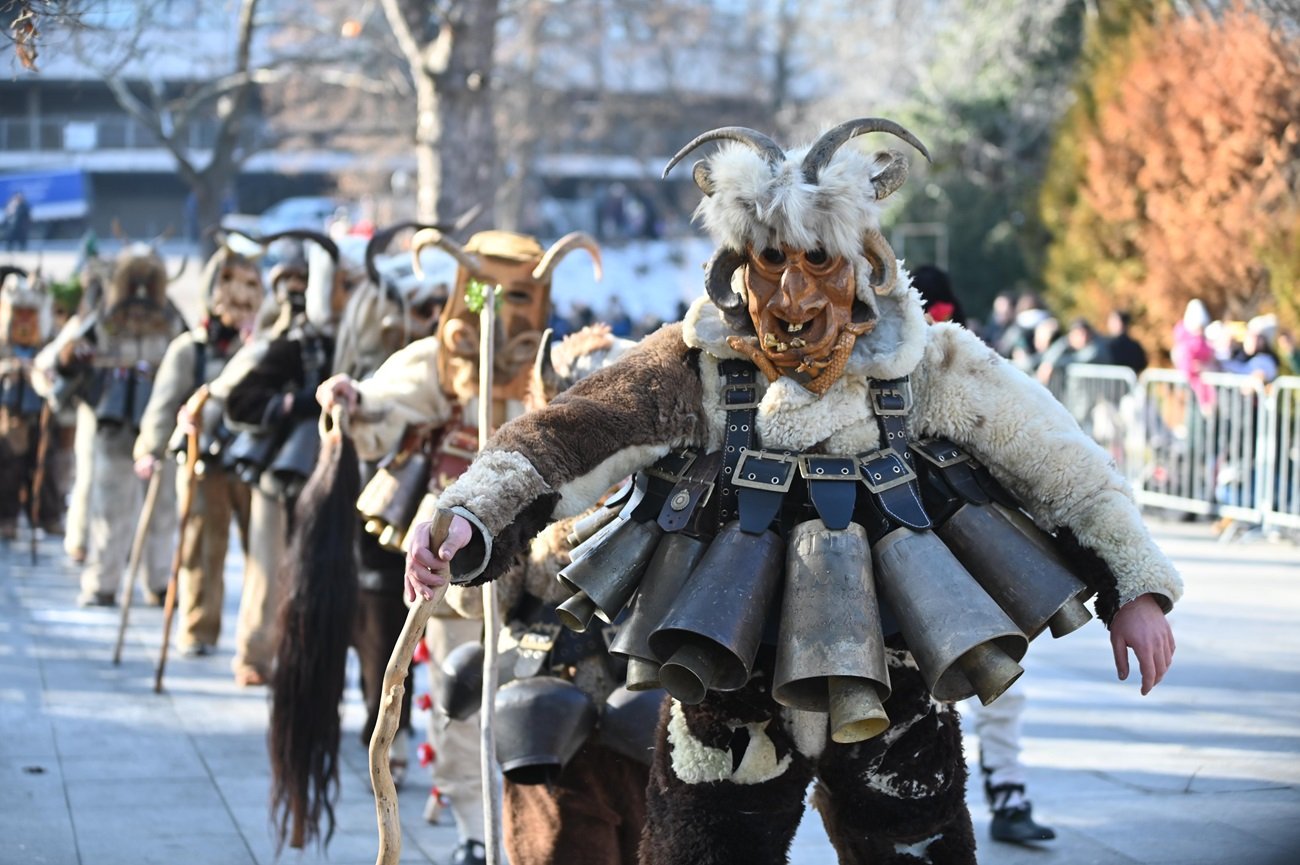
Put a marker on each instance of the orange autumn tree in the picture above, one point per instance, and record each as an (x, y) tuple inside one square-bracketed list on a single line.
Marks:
[(1191, 178)]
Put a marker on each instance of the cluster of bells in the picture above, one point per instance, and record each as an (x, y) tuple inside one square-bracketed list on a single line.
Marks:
[(968, 597)]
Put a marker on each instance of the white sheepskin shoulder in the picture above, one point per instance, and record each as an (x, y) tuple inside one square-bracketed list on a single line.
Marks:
[(758, 204)]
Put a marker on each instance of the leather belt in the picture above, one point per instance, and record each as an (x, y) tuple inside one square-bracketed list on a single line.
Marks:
[(955, 468), (887, 473), (762, 479), (830, 495), (740, 399)]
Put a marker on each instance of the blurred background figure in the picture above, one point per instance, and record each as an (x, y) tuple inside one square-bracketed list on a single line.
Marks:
[(1120, 348)]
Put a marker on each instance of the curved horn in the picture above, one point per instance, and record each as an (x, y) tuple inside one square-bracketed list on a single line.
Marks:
[(717, 282), (890, 176), (381, 239), (833, 139), (7, 269), (766, 147), (185, 260), (433, 237), (326, 242), (562, 247), (884, 266)]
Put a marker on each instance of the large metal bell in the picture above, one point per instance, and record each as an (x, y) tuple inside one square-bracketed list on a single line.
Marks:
[(831, 653), (674, 559), (541, 722), (1023, 573), (963, 642), (609, 573), (711, 635)]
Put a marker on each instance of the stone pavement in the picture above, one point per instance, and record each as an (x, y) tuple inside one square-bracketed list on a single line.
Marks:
[(95, 769)]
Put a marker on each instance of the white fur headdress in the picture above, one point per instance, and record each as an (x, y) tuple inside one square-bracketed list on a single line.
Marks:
[(818, 196)]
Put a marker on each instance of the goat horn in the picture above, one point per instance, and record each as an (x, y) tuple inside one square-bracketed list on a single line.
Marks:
[(717, 282), (766, 147), (381, 239), (562, 247), (326, 242), (434, 237), (884, 265), (833, 139), (6, 269)]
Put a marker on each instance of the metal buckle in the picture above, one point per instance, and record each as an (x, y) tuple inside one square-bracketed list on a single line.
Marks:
[(903, 393), (752, 402), (684, 459), (836, 468), (762, 477), (942, 456), (878, 482), (539, 639)]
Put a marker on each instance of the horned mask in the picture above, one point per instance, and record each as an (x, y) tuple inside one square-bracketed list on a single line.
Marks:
[(801, 257), (25, 310), (234, 286), (522, 271)]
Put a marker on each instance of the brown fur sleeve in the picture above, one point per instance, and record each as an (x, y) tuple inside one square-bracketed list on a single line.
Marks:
[(558, 461)]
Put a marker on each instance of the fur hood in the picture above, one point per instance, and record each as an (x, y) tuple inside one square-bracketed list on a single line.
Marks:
[(761, 205)]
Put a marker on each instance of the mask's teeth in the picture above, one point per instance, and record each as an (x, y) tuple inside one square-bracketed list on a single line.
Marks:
[(797, 343), (794, 328), (769, 341)]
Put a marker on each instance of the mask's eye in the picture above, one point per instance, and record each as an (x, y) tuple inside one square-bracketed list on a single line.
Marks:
[(773, 256), (519, 296), (817, 257)]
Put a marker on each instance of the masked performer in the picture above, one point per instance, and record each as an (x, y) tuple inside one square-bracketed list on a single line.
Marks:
[(25, 326), (341, 587), (106, 358), (428, 394), (267, 392), (812, 456), (233, 296)]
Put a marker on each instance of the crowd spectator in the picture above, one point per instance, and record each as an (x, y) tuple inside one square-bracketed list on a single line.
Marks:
[(1255, 356), (1018, 335), (936, 293), (1000, 317), (18, 222), (1122, 349), (1192, 353)]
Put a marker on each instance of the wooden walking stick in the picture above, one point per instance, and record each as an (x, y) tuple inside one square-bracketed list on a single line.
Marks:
[(390, 709), (37, 489), (381, 778), (185, 506), (137, 553)]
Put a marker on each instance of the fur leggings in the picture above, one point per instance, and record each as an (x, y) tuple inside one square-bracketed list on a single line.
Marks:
[(729, 777)]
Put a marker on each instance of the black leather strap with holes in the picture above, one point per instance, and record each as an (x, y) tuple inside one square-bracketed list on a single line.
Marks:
[(762, 479), (888, 473), (954, 466), (693, 488), (740, 399), (832, 487)]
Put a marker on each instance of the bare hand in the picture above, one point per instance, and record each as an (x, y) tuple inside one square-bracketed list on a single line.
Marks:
[(1141, 626), (425, 570), (185, 420), (337, 390), (145, 467)]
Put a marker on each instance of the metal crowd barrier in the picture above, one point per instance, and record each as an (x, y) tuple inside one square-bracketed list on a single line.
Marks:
[(1234, 454), (1100, 398)]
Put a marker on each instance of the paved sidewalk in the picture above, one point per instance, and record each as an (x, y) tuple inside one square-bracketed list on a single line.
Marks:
[(95, 769)]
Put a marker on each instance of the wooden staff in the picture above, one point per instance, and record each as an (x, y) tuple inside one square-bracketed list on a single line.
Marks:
[(390, 708), (186, 505), (137, 553), (491, 624), (38, 475)]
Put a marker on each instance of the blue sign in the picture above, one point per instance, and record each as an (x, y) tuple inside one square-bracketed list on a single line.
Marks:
[(51, 194)]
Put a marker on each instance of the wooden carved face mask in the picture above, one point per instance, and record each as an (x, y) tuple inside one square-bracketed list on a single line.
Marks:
[(801, 304), (237, 295)]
